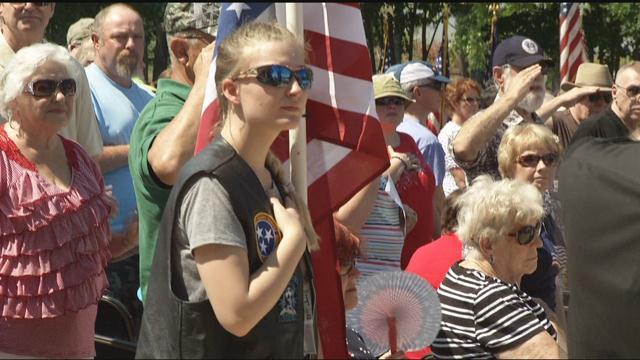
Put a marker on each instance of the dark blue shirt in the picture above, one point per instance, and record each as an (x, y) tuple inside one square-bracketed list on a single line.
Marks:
[(542, 282)]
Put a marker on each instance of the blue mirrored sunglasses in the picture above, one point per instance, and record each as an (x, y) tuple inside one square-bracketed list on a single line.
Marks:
[(280, 76)]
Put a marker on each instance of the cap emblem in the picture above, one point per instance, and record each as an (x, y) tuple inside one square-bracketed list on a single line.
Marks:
[(529, 46)]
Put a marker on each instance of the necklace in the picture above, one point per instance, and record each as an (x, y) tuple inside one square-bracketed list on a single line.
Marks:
[(482, 267)]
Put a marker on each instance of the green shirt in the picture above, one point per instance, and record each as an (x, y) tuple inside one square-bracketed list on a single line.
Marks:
[(151, 193)]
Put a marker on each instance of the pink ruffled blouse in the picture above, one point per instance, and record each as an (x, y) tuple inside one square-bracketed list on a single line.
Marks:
[(53, 252)]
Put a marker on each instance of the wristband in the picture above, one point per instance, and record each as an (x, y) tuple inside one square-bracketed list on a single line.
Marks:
[(406, 166)]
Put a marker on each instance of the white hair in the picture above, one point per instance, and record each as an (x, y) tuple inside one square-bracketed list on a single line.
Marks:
[(24, 64), (408, 86), (490, 209)]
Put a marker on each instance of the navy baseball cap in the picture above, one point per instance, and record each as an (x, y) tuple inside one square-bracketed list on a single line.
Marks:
[(519, 51)]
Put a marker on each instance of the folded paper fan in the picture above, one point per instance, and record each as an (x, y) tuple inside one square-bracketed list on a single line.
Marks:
[(396, 310)]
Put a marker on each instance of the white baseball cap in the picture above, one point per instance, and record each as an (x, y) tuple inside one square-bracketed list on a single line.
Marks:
[(419, 71)]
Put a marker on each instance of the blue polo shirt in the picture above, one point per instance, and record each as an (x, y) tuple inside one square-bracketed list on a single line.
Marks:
[(117, 109)]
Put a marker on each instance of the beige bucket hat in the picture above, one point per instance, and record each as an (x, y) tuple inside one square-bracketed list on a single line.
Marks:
[(591, 74)]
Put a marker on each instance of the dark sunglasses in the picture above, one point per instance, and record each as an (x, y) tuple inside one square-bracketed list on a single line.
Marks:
[(600, 96), (471, 100), (46, 88), (389, 100), (347, 266), (532, 160), (280, 76), (526, 234), (632, 91)]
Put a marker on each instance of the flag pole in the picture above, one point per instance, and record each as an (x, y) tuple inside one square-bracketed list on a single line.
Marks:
[(445, 60), (385, 44), (297, 137)]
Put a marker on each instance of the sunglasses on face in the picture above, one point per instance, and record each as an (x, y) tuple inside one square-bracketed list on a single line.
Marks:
[(632, 91), (46, 88), (532, 160), (600, 96), (347, 266), (389, 100), (526, 234), (471, 100), (280, 76)]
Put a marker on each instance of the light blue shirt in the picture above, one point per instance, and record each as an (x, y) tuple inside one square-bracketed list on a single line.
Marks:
[(428, 144), (117, 108)]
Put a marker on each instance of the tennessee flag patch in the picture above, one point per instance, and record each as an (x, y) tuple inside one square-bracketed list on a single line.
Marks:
[(267, 234)]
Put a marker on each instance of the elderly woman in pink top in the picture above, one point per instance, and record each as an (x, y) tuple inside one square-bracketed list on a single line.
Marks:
[(54, 229)]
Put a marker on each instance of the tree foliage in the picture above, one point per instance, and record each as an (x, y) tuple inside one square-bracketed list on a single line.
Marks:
[(612, 31)]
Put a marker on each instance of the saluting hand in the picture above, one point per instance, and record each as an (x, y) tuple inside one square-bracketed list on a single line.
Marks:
[(521, 83)]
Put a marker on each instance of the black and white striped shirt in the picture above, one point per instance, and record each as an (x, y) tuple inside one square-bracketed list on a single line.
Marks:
[(483, 315)]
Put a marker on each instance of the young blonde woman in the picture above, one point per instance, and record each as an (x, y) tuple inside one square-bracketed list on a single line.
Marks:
[(232, 276)]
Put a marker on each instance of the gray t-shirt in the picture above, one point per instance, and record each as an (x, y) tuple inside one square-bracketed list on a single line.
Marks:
[(199, 223), (205, 217)]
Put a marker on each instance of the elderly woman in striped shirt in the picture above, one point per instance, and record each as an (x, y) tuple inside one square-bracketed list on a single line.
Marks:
[(484, 313)]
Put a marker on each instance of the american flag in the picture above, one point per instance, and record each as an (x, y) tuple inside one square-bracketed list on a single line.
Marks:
[(439, 66), (573, 47), (488, 73), (345, 146)]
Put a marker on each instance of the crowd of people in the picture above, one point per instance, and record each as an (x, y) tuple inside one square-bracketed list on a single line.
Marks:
[(505, 210)]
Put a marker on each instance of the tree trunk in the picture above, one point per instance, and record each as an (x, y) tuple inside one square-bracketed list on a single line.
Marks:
[(368, 25), (424, 39), (411, 29), (397, 26)]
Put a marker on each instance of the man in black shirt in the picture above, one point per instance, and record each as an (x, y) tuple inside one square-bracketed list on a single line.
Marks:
[(624, 112), (600, 195)]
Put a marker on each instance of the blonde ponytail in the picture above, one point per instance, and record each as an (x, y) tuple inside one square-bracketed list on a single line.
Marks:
[(274, 164)]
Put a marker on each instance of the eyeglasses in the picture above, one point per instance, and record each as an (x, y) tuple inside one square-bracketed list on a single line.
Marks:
[(632, 91), (532, 160), (471, 100), (526, 234), (347, 266), (46, 88), (600, 96), (279, 76), (390, 100)]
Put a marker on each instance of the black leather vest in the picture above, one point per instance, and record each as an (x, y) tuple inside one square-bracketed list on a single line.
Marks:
[(176, 328)]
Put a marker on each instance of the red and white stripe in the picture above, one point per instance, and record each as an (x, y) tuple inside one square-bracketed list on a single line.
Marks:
[(345, 146), (573, 48)]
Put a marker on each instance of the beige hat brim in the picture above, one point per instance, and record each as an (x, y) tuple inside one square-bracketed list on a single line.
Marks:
[(569, 85), (407, 99)]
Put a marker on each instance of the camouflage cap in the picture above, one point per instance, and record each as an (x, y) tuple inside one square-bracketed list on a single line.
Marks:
[(196, 16), (79, 30)]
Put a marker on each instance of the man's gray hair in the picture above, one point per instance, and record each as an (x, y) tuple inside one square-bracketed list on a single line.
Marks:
[(634, 65), (101, 16), (410, 85)]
